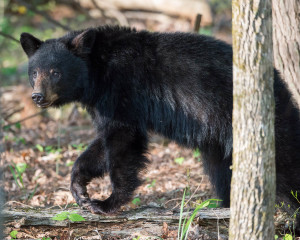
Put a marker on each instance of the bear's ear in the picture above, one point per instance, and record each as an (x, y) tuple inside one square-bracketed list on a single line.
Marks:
[(83, 43), (30, 43)]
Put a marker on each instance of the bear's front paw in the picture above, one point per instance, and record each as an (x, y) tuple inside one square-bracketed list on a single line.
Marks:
[(105, 207), (80, 194)]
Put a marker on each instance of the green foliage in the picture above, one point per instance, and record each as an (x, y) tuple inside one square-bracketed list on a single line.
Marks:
[(137, 238), (197, 154), (136, 201), (294, 215), (214, 203), (33, 192), (183, 229), (206, 31), (71, 216), (288, 237), (179, 160), (70, 163), (220, 6), (52, 149), (8, 71), (13, 234), (152, 184), (18, 125), (39, 147), (80, 146), (17, 171), (48, 149)]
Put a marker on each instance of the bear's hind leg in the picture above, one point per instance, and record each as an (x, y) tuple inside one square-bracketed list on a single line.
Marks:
[(219, 173)]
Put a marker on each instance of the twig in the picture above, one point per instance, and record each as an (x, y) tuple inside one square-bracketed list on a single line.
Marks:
[(100, 9), (197, 23), (193, 196), (22, 204), (9, 37), (194, 192), (43, 14), (24, 119), (13, 112)]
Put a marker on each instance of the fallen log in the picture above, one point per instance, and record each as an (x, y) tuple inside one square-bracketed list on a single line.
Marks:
[(144, 221)]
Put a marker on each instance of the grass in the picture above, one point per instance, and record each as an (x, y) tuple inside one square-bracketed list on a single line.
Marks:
[(184, 227)]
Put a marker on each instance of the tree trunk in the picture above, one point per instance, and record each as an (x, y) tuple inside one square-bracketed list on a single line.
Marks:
[(1, 156), (286, 37), (253, 179)]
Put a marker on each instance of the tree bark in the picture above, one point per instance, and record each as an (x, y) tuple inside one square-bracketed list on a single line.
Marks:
[(253, 178), (1, 156), (286, 37)]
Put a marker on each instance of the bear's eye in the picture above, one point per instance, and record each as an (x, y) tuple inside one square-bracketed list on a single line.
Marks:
[(34, 74), (56, 74)]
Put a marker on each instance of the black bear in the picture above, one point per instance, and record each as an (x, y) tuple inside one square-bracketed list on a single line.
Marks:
[(175, 84)]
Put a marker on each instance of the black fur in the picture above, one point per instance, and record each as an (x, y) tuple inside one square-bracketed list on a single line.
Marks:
[(175, 84)]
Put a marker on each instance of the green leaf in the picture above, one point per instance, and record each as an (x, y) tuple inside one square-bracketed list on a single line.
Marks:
[(13, 234), (179, 160), (214, 203), (21, 167), (39, 147), (33, 192), (276, 236), (74, 217), (137, 238), (152, 184), (18, 125), (6, 128), (8, 71), (14, 175), (188, 224), (61, 216), (21, 140), (288, 237), (71, 163), (136, 201), (48, 148), (196, 153), (181, 212)]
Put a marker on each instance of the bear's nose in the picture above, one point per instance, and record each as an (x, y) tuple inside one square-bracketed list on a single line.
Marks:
[(37, 97)]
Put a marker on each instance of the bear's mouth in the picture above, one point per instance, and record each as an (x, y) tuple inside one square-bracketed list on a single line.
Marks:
[(44, 104)]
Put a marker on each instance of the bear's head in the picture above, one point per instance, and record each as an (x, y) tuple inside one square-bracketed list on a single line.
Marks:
[(58, 68)]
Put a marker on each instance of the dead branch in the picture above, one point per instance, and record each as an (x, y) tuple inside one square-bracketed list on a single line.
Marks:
[(12, 112), (24, 119), (43, 14), (9, 37), (197, 23)]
